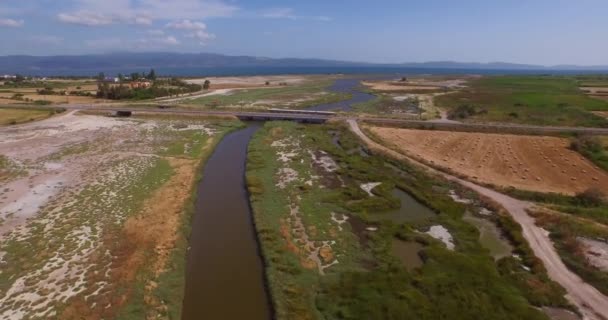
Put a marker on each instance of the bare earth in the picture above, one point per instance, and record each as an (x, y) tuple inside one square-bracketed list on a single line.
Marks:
[(592, 303), (89, 204), (543, 164), (248, 81)]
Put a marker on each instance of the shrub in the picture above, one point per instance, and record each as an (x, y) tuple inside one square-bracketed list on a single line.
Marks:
[(592, 196)]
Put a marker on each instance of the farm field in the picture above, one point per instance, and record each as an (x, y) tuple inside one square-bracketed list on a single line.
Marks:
[(542, 164), (349, 235), (10, 116), (294, 95), (94, 213), (28, 92), (525, 99)]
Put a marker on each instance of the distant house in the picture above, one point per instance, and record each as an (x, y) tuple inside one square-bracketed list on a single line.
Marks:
[(111, 80), (140, 84)]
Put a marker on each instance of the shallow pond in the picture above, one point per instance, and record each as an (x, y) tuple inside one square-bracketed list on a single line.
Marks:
[(410, 210), (490, 236), (407, 252)]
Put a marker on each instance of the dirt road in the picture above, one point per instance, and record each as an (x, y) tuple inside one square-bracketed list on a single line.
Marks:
[(592, 303), (197, 95)]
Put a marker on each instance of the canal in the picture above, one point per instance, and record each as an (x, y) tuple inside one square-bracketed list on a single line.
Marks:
[(224, 273)]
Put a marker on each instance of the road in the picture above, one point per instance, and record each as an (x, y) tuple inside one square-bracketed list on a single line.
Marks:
[(592, 303), (205, 93), (458, 126)]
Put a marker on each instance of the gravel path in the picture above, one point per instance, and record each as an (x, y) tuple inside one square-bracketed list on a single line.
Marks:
[(592, 303)]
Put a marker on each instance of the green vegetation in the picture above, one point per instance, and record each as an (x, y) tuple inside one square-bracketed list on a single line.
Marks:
[(565, 231), (11, 116), (297, 96), (387, 104), (159, 88), (369, 282), (538, 100), (593, 148)]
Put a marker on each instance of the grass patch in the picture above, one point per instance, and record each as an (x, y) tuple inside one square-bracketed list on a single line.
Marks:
[(12, 116), (386, 104), (297, 96), (369, 282), (538, 100)]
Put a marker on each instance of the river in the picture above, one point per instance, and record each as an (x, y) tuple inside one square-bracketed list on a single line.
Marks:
[(224, 273), (348, 85)]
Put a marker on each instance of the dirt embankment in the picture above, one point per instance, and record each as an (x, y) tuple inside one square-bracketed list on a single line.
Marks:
[(592, 303), (543, 164)]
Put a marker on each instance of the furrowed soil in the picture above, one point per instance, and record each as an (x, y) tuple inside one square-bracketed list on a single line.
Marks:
[(542, 164)]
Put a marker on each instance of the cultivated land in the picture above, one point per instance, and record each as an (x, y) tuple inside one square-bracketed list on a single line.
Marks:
[(341, 241), (298, 94), (12, 116), (535, 163), (547, 100), (94, 215), (72, 91)]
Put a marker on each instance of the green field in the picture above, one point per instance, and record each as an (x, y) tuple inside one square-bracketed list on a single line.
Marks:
[(370, 281), (537, 100), (297, 96)]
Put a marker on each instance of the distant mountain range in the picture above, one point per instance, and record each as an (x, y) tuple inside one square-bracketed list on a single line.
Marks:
[(163, 60)]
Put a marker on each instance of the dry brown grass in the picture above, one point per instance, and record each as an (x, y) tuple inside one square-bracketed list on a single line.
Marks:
[(15, 116), (543, 164)]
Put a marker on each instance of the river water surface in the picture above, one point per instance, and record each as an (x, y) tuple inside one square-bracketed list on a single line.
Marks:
[(224, 273), (349, 85)]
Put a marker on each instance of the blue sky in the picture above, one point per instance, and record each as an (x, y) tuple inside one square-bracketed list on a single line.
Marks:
[(544, 32)]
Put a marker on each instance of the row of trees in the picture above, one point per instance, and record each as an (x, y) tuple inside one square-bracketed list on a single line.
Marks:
[(162, 88), (133, 76)]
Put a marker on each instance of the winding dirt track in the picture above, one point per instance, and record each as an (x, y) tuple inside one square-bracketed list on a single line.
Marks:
[(592, 303)]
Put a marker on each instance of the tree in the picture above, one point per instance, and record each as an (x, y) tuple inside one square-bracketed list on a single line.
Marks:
[(101, 76), (121, 77), (152, 75), (135, 76), (207, 84), (592, 196), (19, 78)]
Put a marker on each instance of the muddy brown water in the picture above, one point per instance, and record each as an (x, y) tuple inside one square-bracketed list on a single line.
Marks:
[(411, 210), (408, 253), (224, 273)]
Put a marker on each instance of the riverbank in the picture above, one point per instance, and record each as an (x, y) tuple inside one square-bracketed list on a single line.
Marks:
[(92, 209)]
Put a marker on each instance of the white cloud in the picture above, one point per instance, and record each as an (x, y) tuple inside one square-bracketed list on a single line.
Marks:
[(202, 36), (280, 13), (86, 18), (143, 12), (289, 13), (187, 25), (157, 42), (47, 40), (12, 23), (198, 30), (94, 19)]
